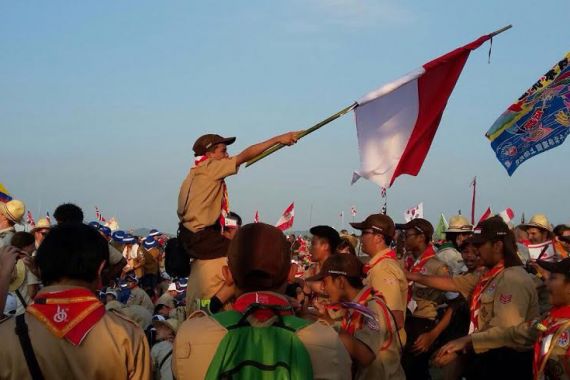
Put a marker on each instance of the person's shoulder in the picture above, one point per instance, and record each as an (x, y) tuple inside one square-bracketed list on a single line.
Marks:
[(319, 333), (518, 275), (389, 265), (199, 321)]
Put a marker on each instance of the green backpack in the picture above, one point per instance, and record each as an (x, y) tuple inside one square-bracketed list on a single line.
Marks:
[(260, 353)]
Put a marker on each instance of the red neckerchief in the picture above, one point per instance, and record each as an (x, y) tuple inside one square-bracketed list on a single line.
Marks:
[(353, 319), (484, 281), (419, 264), (556, 319), (243, 302), (225, 206), (68, 314), (388, 255)]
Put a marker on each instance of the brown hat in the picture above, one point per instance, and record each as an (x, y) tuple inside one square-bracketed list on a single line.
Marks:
[(259, 257), (378, 222), (343, 265), (205, 142), (488, 230), (418, 224)]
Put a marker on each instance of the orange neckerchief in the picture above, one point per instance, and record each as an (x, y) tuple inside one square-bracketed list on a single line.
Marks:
[(388, 255), (419, 265), (68, 314), (484, 281), (225, 206), (556, 321)]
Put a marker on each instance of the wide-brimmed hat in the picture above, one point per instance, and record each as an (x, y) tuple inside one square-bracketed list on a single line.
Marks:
[(154, 232), (460, 224), (539, 221), (118, 236), (128, 239), (41, 224), (149, 243), (13, 210), (378, 222), (205, 142), (339, 265), (18, 276)]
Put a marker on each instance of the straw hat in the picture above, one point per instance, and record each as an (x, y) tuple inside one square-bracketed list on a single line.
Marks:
[(538, 221), (459, 223), (18, 276), (41, 224), (13, 210)]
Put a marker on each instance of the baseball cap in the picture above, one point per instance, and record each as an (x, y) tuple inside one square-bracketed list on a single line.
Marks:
[(378, 222), (344, 265), (489, 229), (418, 224), (328, 233), (205, 142), (562, 266), (259, 257)]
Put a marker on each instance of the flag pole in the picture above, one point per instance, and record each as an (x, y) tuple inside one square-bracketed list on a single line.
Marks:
[(500, 30), (320, 124), (473, 201)]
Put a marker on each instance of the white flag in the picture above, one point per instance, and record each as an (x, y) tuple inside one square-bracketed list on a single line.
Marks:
[(414, 212)]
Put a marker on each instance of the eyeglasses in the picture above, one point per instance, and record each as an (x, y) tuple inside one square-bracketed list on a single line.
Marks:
[(365, 232), (409, 235)]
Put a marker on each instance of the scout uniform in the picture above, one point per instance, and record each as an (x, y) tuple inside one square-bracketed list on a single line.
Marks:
[(205, 280), (385, 274), (376, 330), (200, 335), (139, 297), (135, 258), (6, 236), (65, 348)]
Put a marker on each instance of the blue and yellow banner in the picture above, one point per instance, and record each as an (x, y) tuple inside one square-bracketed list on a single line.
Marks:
[(4, 195), (538, 121)]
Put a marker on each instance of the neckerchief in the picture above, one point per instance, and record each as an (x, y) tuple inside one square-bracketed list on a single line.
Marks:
[(419, 265), (553, 326), (244, 301), (388, 255), (225, 206), (484, 281), (68, 314), (358, 314)]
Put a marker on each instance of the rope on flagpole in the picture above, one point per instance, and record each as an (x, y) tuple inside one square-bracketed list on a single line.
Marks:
[(320, 124)]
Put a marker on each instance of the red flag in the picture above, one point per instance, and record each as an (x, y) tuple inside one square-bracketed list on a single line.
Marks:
[(286, 220), (507, 215), (402, 117), (256, 217), (485, 215), (30, 219), (99, 215)]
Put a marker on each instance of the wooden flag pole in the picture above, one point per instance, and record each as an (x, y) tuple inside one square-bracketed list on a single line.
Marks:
[(500, 30), (320, 124)]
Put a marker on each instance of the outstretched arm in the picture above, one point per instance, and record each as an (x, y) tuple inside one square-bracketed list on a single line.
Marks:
[(253, 151)]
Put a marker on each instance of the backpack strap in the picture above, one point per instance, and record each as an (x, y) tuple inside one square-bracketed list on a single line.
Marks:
[(26, 344), (164, 359)]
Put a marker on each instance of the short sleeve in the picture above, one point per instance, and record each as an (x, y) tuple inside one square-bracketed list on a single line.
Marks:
[(219, 169)]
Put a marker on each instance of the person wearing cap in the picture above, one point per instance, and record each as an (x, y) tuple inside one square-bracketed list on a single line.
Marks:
[(549, 334), (138, 296), (132, 252), (11, 213), (367, 328), (152, 254), (67, 325), (502, 297), (457, 232), (116, 260), (168, 298), (26, 292), (324, 242), (68, 213), (203, 199), (259, 263), (422, 326), (383, 272), (40, 230), (561, 246), (161, 352)]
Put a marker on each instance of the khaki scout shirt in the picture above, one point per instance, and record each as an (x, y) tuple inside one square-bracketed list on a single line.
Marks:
[(523, 336), (428, 299), (6, 236), (206, 279), (509, 299), (387, 363), (139, 297), (200, 197), (199, 336), (387, 277), (114, 349)]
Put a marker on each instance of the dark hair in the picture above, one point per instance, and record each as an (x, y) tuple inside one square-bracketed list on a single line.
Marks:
[(68, 213), (387, 239), (559, 229), (72, 250), (344, 243), (510, 251), (235, 216), (22, 239), (355, 282)]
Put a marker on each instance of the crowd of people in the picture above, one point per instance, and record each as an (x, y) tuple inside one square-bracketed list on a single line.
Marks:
[(224, 300)]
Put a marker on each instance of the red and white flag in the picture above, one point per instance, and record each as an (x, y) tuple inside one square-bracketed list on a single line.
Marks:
[(507, 215), (30, 219), (99, 215), (486, 215), (414, 212), (286, 220), (47, 217), (256, 217), (353, 211), (396, 123)]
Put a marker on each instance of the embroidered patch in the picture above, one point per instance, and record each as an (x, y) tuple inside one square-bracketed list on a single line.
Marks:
[(564, 339), (491, 288), (424, 270), (505, 298)]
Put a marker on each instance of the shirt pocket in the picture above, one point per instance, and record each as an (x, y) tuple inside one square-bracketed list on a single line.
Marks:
[(486, 311)]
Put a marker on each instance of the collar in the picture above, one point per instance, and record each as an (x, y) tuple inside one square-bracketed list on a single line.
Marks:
[(244, 301), (379, 256), (199, 159)]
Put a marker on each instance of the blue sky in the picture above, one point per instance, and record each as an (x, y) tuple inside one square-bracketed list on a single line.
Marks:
[(102, 102)]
